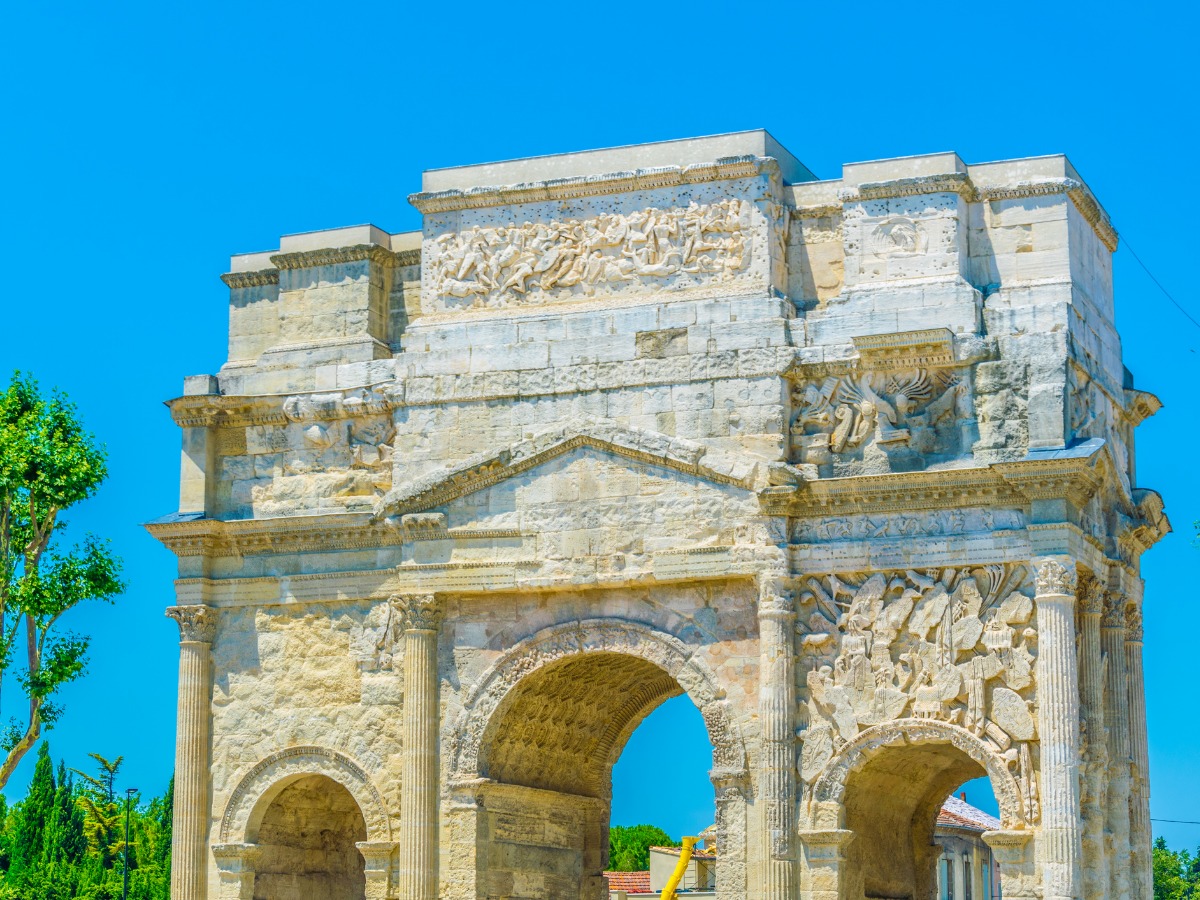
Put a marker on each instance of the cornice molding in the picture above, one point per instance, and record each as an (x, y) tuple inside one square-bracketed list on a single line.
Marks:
[(724, 169), (1079, 193), (949, 183), (333, 256), (1016, 483), (261, 278), (250, 537), (231, 410)]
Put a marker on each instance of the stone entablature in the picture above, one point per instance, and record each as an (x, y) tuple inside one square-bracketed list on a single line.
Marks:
[(833, 458)]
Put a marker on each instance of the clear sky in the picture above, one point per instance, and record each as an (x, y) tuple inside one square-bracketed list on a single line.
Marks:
[(144, 143)]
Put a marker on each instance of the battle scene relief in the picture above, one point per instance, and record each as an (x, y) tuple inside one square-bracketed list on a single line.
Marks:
[(957, 645)]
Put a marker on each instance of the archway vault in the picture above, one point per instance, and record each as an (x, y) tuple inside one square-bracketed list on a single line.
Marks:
[(883, 790), (622, 669), (259, 787)]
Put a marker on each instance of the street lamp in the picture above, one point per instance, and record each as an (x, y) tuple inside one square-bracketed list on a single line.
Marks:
[(129, 792)]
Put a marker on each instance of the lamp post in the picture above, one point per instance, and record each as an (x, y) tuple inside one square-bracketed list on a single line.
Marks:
[(129, 792)]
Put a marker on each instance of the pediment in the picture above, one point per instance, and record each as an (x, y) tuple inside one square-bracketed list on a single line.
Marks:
[(483, 470)]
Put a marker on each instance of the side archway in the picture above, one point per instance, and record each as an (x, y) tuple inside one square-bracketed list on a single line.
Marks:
[(883, 791), (260, 787)]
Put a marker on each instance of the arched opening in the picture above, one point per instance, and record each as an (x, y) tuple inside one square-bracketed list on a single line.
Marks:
[(662, 779), (899, 850), (307, 840), (548, 752)]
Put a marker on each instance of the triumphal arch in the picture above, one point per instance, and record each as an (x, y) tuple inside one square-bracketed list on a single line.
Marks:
[(847, 462)]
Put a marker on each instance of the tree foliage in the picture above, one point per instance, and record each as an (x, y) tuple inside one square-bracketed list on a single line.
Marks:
[(629, 846), (48, 463), (1176, 873), (54, 846)]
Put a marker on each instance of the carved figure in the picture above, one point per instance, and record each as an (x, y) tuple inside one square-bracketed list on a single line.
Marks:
[(496, 267)]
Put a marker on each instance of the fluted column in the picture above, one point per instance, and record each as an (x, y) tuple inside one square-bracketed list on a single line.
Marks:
[(420, 619), (197, 625), (1095, 749), (1116, 720), (1058, 729), (776, 712), (1141, 877)]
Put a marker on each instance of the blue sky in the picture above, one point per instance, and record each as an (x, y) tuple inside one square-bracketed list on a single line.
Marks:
[(143, 144)]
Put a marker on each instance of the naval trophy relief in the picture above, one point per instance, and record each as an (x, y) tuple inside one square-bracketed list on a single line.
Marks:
[(870, 422), (956, 645), (530, 264)]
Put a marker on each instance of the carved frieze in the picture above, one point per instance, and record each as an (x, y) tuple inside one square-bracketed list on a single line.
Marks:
[(906, 524), (956, 645), (536, 263)]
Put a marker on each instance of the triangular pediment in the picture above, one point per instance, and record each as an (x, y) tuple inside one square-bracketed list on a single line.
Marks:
[(483, 470)]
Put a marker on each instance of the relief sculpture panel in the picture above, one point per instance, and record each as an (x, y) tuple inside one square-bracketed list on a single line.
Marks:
[(860, 423), (957, 645), (572, 258)]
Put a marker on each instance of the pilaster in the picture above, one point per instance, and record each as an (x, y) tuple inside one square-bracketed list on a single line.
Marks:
[(1094, 745), (824, 855), (237, 864), (420, 619), (1141, 861), (378, 857), (776, 705), (1116, 718), (1058, 729), (197, 627), (1011, 851)]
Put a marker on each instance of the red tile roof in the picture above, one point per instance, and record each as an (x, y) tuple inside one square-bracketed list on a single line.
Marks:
[(630, 882), (957, 813)]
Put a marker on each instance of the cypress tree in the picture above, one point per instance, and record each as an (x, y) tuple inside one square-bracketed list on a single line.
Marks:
[(33, 816)]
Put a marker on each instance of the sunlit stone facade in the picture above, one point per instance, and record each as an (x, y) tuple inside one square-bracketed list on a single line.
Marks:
[(848, 462)]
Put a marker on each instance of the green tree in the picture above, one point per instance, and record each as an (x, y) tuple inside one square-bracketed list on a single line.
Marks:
[(103, 813), (48, 463), (629, 846), (33, 817)]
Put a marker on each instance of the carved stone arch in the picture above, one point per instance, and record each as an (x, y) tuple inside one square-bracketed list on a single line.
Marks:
[(267, 779), (831, 784), (561, 642)]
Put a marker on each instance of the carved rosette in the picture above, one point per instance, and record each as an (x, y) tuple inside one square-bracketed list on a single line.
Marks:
[(197, 624), (1056, 576), (418, 612)]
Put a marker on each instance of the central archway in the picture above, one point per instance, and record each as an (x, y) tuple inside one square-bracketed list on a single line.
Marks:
[(538, 738)]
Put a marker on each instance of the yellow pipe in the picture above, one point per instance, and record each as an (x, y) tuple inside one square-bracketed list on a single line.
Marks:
[(685, 856)]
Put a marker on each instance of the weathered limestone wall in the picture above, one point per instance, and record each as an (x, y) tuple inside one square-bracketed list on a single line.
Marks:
[(464, 505)]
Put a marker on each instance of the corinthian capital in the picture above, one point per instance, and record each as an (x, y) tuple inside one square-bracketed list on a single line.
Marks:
[(1114, 611), (1091, 596), (418, 612), (1133, 622), (1055, 575), (196, 623)]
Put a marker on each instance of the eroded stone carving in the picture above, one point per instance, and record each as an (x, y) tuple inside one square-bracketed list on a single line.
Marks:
[(841, 419), (196, 623), (952, 645), (535, 263), (898, 236), (939, 522)]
